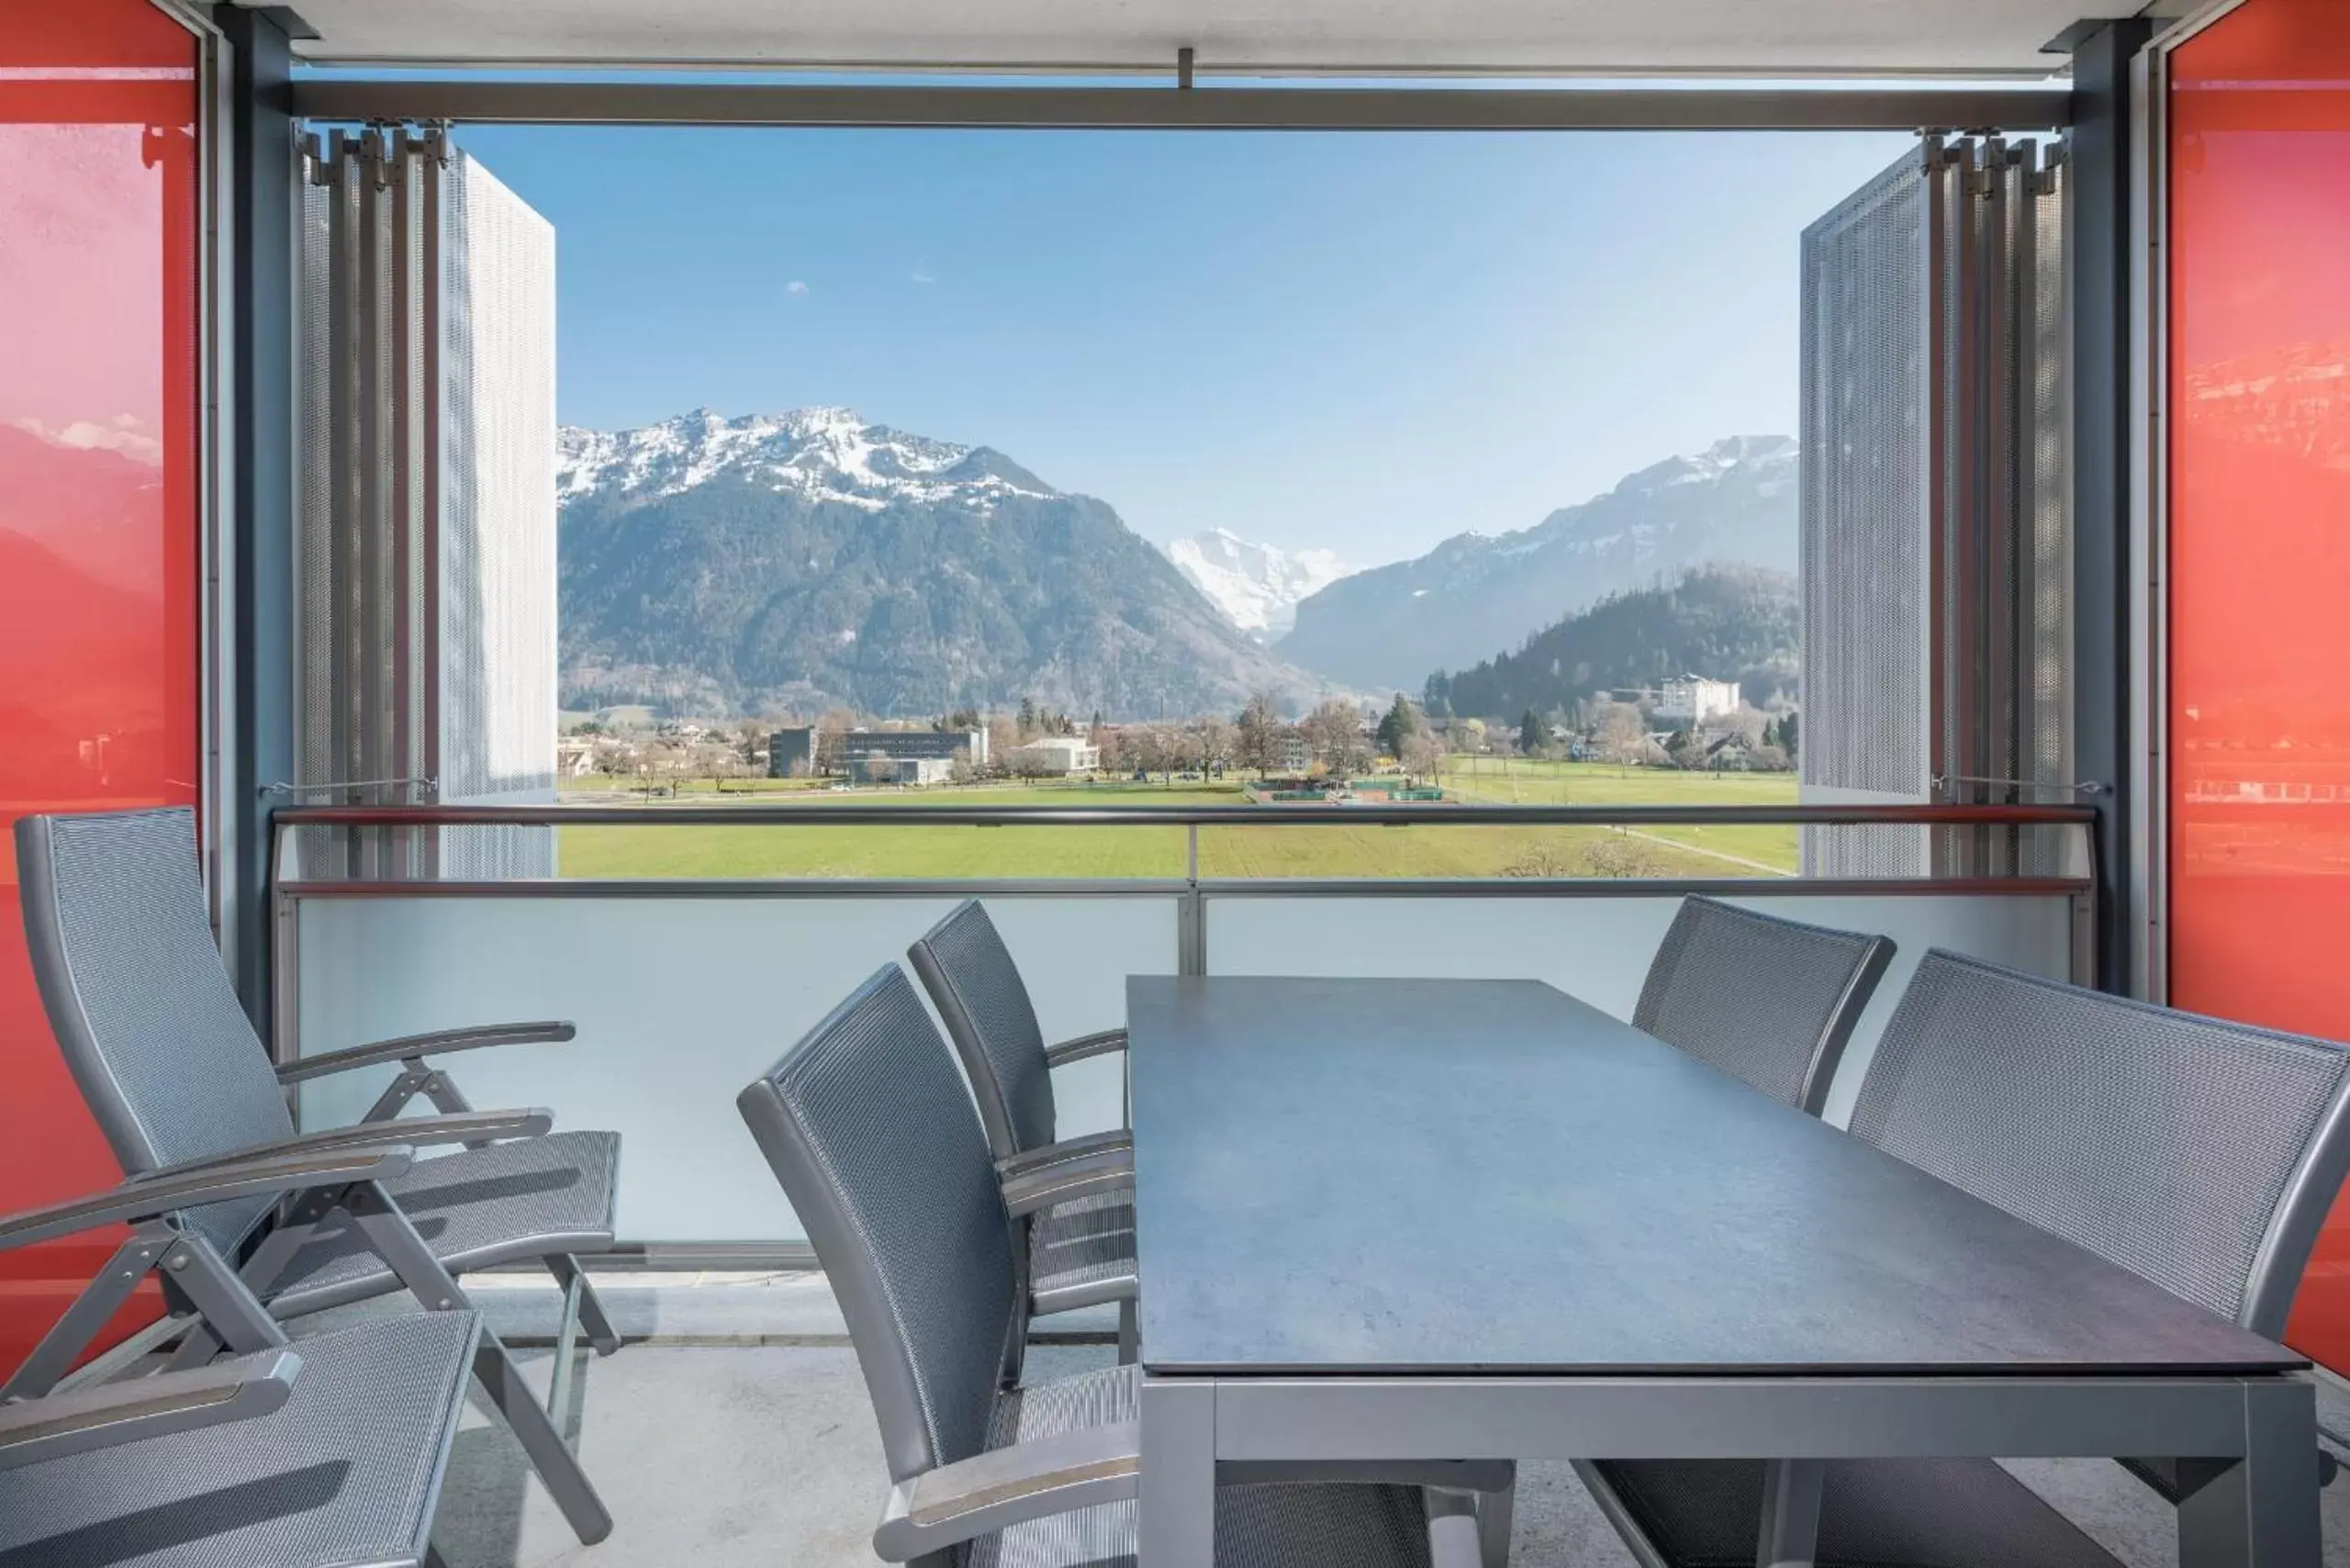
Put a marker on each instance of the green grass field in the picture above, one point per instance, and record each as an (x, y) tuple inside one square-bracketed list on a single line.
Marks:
[(1296, 851)]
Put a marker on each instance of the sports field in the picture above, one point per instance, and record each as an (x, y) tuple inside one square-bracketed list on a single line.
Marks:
[(1297, 851)]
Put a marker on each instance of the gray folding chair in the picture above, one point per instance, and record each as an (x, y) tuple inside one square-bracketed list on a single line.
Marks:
[(2201, 1155), (121, 946), (870, 1131), (1071, 1198), (1771, 1000), (322, 1455)]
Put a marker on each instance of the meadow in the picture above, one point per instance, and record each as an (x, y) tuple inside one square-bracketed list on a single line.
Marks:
[(1315, 850)]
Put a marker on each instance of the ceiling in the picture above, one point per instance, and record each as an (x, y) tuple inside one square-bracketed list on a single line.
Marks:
[(1368, 37)]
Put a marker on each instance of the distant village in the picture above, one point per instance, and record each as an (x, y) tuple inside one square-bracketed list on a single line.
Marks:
[(1690, 722)]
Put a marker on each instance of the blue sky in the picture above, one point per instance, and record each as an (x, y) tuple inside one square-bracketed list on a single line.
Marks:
[(1359, 342)]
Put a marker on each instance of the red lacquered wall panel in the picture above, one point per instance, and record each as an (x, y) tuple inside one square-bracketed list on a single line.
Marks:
[(99, 530), (2259, 585)]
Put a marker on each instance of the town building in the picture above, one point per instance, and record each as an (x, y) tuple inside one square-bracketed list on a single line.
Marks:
[(793, 753), (1691, 699), (1057, 756)]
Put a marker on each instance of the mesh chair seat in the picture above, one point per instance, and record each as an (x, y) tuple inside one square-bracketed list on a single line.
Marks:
[(1936, 1513), (1267, 1526), (475, 1209), (346, 1471), (1082, 1253)]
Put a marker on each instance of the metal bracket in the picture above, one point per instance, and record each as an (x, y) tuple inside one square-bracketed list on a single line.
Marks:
[(281, 786), (2090, 787)]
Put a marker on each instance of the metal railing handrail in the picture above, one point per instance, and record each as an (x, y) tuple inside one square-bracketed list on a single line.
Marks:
[(835, 814)]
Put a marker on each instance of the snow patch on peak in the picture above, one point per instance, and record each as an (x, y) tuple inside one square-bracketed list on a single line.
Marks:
[(826, 454), (1256, 586)]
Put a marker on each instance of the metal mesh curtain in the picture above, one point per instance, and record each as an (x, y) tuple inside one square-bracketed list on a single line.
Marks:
[(1935, 537), (427, 527)]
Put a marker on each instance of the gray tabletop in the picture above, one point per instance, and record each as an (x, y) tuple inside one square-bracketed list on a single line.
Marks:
[(1488, 1176)]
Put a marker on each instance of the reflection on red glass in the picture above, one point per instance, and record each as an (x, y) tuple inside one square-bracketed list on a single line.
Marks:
[(98, 517), (2260, 545)]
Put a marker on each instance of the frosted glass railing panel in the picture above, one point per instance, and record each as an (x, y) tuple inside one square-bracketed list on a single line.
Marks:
[(680, 1003), (1599, 948)]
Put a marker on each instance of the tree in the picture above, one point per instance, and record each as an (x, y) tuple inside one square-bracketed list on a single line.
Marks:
[(1213, 737), (832, 734), (1401, 725), (1533, 734), (1334, 731), (1421, 756), (1257, 742), (1623, 738), (1786, 741), (1004, 739), (961, 721), (1027, 717)]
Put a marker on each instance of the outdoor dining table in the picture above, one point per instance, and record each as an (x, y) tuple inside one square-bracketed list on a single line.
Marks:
[(1417, 1219)]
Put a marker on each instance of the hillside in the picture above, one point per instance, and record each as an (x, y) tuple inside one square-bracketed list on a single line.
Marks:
[(812, 559), (1729, 622), (1387, 628)]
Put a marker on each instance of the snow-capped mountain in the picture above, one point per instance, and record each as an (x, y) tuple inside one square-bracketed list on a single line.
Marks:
[(1475, 596), (824, 455), (811, 559), (1256, 586)]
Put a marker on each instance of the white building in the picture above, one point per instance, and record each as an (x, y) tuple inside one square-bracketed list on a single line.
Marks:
[(1690, 699), (1057, 756)]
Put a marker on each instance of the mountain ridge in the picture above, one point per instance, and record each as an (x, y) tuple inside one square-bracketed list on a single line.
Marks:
[(813, 558), (1474, 594)]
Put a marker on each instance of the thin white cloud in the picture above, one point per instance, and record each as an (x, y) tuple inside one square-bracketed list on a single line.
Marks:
[(921, 277), (795, 286)]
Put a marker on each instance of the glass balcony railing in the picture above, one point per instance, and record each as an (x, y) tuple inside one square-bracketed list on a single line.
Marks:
[(686, 980)]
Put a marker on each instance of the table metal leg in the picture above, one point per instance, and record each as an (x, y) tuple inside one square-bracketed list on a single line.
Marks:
[(1790, 1526), (2262, 1510), (1175, 1515)]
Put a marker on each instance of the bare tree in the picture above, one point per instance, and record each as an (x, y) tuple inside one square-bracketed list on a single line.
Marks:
[(1216, 741), (1334, 730), (1623, 739), (831, 740), (1422, 755), (1004, 739), (1257, 738)]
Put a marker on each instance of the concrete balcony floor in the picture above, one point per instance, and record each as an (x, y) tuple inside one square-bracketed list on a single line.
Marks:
[(733, 1431)]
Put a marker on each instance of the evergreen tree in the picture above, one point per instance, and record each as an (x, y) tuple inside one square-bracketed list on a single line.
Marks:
[(1533, 734), (1401, 725)]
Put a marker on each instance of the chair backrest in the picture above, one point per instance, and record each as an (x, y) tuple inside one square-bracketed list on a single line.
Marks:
[(121, 947), (2199, 1154), (868, 1125), (980, 997), (1771, 1000)]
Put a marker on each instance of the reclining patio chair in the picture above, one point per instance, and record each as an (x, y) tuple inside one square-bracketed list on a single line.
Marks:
[(870, 1132), (1771, 1000), (1072, 1200), (2201, 1155), (325, 1454), (122, 948)]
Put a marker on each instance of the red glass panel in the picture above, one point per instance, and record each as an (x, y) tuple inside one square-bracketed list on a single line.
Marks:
[(2260, 545), (98, 517)]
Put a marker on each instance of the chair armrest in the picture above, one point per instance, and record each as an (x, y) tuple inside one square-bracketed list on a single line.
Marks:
[(58, 1424), (165, 1192), (411, 1132), (438, 1043), (1111, 1170), (1100, 1043), (1061, 1153), (994, 1491)]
